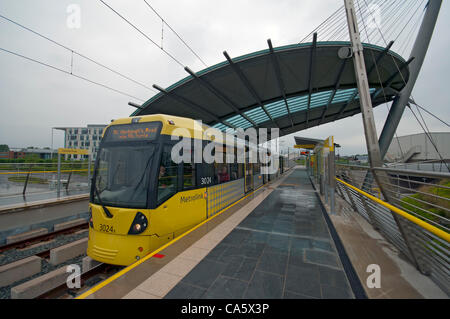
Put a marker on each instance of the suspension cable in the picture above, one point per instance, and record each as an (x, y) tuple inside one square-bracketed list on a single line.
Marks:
[(179, 37)]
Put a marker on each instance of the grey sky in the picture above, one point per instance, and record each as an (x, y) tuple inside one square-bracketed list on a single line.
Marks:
[(34, 98)]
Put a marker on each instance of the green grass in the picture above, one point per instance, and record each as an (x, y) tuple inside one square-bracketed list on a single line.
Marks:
[(31, 180), (408, 201)]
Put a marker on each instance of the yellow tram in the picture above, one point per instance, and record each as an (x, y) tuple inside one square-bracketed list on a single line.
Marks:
[(140, 199)]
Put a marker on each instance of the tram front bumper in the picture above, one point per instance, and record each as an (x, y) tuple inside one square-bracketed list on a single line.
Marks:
[(117, 249)]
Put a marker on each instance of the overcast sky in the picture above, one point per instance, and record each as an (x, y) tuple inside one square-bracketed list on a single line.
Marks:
[(33, 98)]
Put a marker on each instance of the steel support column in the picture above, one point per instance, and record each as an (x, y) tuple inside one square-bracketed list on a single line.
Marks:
[(373, 148), (418, 52)]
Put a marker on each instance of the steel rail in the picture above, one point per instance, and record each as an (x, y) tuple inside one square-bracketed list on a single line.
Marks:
[(40, 238)]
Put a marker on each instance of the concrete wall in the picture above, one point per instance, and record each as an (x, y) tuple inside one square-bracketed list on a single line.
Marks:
[(422, 144)]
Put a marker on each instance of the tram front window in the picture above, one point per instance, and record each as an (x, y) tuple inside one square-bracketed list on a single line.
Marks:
[(122, 175)]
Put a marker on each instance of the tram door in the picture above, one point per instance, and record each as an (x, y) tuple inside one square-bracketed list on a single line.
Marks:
[(248, 174)]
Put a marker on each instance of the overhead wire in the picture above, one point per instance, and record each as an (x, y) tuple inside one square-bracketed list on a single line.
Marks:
[(179, 37), (69, 73), (427, 133), (77, 53), (142, 33), (424, 109)]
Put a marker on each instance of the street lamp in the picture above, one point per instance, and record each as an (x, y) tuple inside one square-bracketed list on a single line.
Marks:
[(51, 156)]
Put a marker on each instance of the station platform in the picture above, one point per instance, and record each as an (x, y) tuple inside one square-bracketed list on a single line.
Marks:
[(274, 243), (12, 201)]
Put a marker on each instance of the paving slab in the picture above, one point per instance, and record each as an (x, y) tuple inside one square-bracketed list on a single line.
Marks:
[(282, 249)]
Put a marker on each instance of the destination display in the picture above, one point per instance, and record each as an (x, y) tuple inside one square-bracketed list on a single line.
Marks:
[(133, 132)]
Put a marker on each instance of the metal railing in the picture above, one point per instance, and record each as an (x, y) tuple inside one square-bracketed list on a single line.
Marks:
[(416, 220), (33, 178), (428, 165)]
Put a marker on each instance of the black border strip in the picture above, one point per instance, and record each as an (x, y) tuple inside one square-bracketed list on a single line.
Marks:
[(355, 283)]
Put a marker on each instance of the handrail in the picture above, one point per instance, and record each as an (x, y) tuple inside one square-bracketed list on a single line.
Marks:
[(400, 171), (41, 172), (432, 229), (413, 172)]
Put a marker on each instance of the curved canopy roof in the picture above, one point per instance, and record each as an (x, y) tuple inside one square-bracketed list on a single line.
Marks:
[(292, 87)]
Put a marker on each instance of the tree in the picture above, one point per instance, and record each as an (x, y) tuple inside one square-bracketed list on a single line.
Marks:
[(4, 148)]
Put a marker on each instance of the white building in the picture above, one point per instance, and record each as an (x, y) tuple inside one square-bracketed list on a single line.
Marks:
[(417, 147), (83, 138)]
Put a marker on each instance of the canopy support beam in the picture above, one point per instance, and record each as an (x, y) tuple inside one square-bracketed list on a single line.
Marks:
[(220, 95), (276, 67), (378, 59), (247, 85), (311, 69), (336, 87), (391, 78), (191, 104)]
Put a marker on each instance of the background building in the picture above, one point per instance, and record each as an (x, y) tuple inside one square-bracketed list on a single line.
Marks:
[(417, 147), (83, 138), (11, 155)]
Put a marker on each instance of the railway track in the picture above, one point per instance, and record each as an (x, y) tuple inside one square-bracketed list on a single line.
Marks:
[(42, 238), (87, 280), (40, 246)]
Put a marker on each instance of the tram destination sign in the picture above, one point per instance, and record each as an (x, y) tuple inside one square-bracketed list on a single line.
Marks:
[(132, 132)]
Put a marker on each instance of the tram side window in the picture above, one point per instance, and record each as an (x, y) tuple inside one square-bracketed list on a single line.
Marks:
[(167, 181), (234, 171), (222, 172), (234, 166), (188, 175), (256, 168)]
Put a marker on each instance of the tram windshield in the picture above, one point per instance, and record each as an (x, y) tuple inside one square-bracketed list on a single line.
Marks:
[(122, 175), (123, 168)]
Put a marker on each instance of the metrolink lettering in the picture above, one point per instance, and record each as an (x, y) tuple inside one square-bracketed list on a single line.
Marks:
[(186, 199)]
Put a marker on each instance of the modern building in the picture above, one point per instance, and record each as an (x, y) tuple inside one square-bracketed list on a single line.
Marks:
[(12, 155), (83, 138), (418, 147), (43, 153)]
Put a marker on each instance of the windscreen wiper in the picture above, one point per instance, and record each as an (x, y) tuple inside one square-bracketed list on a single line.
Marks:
[(106, 210)]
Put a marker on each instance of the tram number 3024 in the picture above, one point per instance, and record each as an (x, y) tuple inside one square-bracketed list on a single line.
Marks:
[(107, 228), (206, 180)]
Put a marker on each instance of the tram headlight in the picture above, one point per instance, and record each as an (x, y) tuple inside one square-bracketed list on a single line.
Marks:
[(139, 225)]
